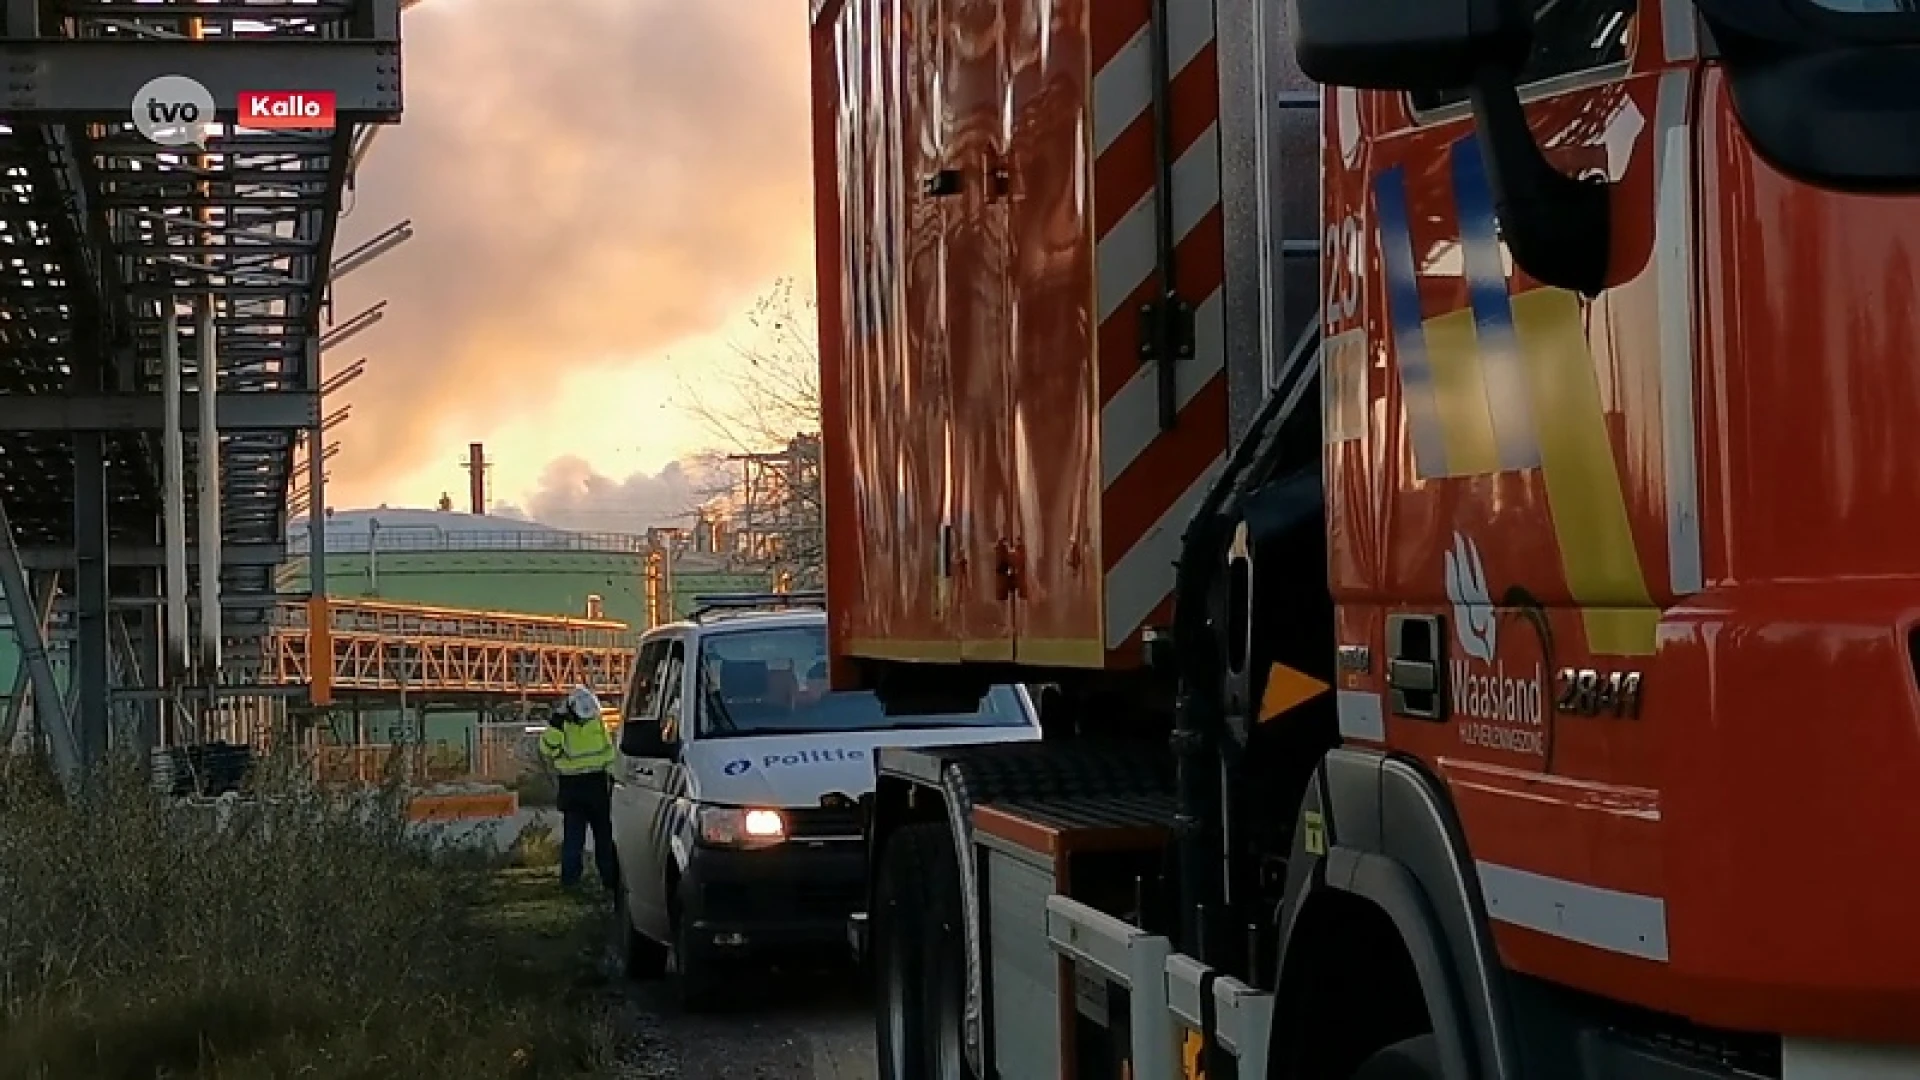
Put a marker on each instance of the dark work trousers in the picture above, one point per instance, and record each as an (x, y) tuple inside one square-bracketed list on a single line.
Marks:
[(586, 803)]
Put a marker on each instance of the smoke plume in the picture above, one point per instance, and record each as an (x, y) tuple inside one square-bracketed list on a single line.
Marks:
[(588, 181), (573, 495)]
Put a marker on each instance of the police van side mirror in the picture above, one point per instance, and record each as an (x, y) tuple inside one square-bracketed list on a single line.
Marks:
[(1409, 44), (640, 737)]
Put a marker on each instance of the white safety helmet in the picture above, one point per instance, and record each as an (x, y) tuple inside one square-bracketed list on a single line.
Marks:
[(583, 703)]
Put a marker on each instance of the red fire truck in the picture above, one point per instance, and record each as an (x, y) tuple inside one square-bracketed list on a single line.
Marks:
[(1451, 465)]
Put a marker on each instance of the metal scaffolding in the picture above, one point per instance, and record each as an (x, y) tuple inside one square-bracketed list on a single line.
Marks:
[(156, 303), (378, 647), (778, 523)]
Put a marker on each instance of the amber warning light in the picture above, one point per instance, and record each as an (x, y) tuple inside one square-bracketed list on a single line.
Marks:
[(280, 109)]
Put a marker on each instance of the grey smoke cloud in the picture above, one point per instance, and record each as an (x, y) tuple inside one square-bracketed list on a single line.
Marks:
[(589, 180), (573, 495)]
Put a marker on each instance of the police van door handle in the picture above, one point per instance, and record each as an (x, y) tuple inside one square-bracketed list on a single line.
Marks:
[(1416, 666)]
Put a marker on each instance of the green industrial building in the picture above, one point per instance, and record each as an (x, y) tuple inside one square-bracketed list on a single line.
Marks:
[(478, 562), (446, 559)]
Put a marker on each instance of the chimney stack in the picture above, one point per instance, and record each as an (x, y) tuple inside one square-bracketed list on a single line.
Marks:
[(477, 477)]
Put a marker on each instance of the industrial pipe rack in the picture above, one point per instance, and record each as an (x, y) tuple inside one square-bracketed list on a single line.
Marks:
[(149, 298)]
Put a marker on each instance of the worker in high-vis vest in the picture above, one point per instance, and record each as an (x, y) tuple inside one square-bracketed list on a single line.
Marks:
[(577, 746)]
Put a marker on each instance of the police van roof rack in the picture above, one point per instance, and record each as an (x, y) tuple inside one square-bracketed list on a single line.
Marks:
[(742, 602)]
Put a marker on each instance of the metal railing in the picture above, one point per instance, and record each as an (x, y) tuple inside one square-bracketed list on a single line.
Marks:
[(1165, 991), (382, 647), (402, 620), (426, 538)]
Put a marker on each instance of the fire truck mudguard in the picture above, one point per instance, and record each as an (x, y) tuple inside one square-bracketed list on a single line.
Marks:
[(1377, 828)]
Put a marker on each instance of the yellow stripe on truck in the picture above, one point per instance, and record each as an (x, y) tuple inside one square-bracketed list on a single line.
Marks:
[(1460, 395), (1584, 495)]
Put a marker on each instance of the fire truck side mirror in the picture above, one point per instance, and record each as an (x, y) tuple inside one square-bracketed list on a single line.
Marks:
[(1409, 44), (1558, 227)]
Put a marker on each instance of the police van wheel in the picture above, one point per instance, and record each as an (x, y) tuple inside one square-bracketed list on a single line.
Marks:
[(695, 983), (1411, 1059), (640, 956)]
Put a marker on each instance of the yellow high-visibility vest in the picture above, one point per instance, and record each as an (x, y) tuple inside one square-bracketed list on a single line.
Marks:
[(574, 748)]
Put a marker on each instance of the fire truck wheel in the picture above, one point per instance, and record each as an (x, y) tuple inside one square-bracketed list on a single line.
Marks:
[(898, 925), (1411, 1059), (946, 963)]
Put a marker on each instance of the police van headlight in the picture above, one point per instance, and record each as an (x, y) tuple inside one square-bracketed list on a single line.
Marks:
[(741, 827)]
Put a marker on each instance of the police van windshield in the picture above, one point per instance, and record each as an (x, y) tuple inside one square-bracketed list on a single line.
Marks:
[(1872, 7), (774, 682)]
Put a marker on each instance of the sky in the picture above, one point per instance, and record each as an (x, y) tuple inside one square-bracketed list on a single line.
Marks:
[(596, 204)]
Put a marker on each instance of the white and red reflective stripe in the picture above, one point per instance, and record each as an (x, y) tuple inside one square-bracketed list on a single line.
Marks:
[(1142, 580), (1152, 480)]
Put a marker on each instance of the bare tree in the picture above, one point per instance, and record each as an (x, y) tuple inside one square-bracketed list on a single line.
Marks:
[(762, 408)]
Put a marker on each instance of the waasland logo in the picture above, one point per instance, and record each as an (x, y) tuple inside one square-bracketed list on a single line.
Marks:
[(1499, 709), (1474, 624)]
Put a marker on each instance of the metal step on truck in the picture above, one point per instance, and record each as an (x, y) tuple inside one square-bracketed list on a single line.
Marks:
[(1451, 464)]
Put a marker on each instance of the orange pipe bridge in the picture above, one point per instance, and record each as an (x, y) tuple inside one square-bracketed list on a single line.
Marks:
[(376, 646)]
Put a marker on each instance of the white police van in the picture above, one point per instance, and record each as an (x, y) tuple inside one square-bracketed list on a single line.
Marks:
[(736, 793)]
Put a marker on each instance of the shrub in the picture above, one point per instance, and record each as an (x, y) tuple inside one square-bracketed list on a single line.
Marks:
[(536, 846), (296, 933)]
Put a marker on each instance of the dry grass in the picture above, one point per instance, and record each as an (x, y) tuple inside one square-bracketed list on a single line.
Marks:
[(537, 846), (304, 937)]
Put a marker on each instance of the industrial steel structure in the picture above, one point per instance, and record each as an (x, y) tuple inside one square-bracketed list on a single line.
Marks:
[(472, 616), (134, 272), (372, 646), (778, 522)]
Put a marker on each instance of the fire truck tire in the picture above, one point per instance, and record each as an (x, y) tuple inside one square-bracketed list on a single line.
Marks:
[(1410, 1059), (946, 962), (898, 927), (919, 960)]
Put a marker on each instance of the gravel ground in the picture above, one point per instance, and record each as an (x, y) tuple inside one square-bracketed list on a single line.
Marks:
[(803, 1024), (800, 1027)]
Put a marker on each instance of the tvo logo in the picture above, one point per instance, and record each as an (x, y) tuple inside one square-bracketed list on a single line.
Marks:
[(177, 111), (174, 110)]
